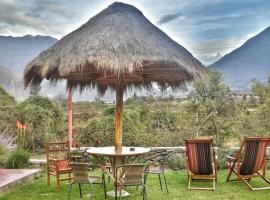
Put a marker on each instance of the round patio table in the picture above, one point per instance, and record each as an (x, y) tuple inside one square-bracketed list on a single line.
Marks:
[(116, 159)]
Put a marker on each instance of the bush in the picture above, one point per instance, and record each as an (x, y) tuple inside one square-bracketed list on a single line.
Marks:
[(177, 161), (222, 152), (44, 120), (18, 159)]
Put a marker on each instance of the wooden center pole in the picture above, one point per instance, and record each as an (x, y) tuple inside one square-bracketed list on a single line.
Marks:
[(118, 117), (70, 116)]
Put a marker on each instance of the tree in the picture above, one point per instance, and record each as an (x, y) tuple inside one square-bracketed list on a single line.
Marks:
[(6, 99), (42, 116), (7, 115), (214, 109)]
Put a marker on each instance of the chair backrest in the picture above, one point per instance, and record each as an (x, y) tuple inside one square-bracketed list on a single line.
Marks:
[(57, 154), (80, 172), (254, 154), (57, 150), (133, 174), (200, 156), (161, 157)]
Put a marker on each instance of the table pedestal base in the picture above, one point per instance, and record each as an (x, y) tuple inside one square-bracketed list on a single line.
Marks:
[(123, 193)]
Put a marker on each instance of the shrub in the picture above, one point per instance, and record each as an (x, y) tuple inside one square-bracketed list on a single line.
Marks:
[(177, 161), (222, 152), (18, 159), (44, 120)]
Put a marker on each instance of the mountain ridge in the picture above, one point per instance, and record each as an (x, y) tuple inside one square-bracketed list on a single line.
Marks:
[(246, 63)]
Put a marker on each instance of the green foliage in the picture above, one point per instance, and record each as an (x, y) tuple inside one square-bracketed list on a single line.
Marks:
[(18, 159), (6, 99), (44, 120), (215, 111), (7, 117), (177, 162), (162, 120), (100, 131)]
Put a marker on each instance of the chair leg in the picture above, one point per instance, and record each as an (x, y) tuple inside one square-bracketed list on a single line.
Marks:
[(69, 177), (120, 194), (48, 179), (166, 183), (104, 185), (80, 189), (260, 188), (160, 182), (115, 191), (229, 175), (202, 188), (144, 194), (69, 190), (214, 184), (91, 194), (57, 182), (189, 182)]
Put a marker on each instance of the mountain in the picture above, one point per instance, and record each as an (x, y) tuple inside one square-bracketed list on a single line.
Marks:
[(248, 62), (11, 83), (16, 52)]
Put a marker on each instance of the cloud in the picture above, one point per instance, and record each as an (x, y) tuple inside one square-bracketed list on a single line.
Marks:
[(211, 50), (169, 17), (45, 17)]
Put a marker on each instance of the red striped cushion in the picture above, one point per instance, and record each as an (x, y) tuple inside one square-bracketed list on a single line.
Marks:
[(255, 151), (199, 158)]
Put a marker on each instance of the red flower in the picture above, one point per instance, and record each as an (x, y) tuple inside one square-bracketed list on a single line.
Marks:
[(18, 124), (77, 145), (24, 127)]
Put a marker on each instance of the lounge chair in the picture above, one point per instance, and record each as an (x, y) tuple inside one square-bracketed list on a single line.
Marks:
[(250, 161), (201, 163)]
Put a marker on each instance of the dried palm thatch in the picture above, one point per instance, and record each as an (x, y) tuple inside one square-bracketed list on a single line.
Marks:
[(119, 43)]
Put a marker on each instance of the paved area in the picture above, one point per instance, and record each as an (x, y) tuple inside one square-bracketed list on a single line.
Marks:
[(10, 178)]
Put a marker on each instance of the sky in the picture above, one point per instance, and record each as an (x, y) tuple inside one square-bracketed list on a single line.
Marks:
[(209, 29)]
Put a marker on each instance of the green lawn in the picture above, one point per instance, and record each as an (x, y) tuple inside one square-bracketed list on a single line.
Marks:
[(177, 182)]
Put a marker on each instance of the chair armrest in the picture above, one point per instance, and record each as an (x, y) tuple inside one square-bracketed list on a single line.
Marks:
[(229, 158)]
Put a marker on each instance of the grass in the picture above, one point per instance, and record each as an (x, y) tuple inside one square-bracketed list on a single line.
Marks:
[(177, 183)]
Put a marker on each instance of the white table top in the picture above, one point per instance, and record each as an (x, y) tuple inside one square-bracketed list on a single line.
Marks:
[(110, 151)]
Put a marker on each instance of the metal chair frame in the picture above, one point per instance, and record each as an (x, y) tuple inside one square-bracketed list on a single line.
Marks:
[(123, 180), (80, 173), (160, 157)]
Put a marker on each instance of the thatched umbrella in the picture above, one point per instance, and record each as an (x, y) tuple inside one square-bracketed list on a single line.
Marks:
[(115, 49)]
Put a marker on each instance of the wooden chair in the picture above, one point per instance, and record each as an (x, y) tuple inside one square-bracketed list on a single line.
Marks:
[(201, 162), (80, 173), (132, 175), (250, 161), (58, 154)]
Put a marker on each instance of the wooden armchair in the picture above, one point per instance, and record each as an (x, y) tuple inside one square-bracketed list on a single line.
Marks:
[(250, 161), (58, 154), (201, 162)]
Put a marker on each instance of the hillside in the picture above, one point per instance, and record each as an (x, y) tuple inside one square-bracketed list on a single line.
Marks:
[(12, 83), (248, 62), (16, 52)]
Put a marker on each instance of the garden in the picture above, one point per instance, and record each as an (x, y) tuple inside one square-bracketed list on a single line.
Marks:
[(209, 110)]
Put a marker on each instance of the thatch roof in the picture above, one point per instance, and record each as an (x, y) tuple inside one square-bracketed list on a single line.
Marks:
[(118, 43)]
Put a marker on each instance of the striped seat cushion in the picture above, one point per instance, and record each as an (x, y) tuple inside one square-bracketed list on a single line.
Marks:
[(255, 151), (199, 158)]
